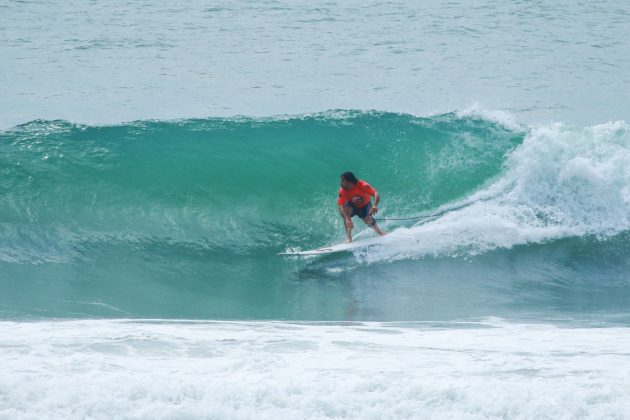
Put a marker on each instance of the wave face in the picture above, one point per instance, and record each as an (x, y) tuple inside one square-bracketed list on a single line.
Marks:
[(185, 218)]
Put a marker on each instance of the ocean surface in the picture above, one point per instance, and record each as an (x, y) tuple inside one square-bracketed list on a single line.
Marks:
[(155, 158)]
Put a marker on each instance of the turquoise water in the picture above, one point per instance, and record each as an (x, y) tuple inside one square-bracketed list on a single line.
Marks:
[(155, 158), (185, 219)]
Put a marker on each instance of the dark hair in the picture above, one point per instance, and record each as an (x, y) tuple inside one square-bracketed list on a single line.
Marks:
[(349, 176)]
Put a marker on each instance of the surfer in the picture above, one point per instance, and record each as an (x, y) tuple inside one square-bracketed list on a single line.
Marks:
[(355, 197)]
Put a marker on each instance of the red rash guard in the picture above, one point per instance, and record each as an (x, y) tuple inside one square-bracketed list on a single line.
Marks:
[(359, 195)]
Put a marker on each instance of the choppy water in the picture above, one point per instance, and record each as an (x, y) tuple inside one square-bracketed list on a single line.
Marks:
[(107, 62), (154, 160)]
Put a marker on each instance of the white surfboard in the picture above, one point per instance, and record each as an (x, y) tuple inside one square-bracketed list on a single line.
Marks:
[(335, 248)]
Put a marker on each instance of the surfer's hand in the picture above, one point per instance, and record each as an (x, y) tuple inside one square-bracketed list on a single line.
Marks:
[(373, 210)]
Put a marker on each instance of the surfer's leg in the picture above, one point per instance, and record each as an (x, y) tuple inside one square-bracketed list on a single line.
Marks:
[(369, 220), (349, 211), (378, 229)]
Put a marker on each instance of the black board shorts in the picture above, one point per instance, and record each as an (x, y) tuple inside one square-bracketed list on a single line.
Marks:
[(362, 212)]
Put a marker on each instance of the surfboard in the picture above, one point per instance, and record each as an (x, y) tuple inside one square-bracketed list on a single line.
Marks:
[(334, 248), (319, 251)]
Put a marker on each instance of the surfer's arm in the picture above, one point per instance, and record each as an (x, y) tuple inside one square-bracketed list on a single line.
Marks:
[(377, 199)]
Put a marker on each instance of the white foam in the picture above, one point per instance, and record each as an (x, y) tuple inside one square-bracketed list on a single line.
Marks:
[(123, 369), (562, 181)]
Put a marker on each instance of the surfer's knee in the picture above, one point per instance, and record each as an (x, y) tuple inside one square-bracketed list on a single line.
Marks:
[(370, 221)]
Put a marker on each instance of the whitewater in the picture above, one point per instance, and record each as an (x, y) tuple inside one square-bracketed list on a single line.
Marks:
[(561, 182), (241, 370), (155, 158)]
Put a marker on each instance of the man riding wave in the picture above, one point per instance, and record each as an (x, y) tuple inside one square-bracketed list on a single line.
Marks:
[(355, 197)]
